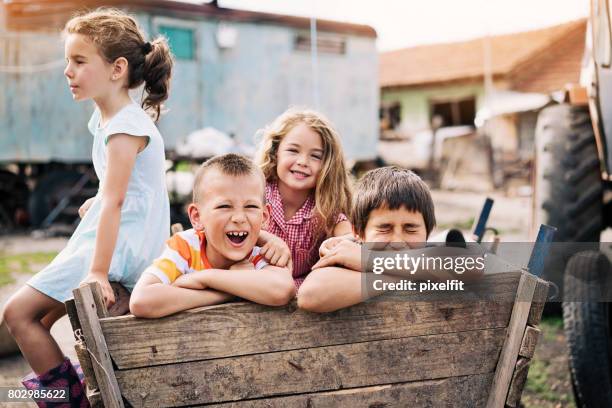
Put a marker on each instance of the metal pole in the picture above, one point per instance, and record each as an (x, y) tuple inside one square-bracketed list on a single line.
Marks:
[(314, 60)]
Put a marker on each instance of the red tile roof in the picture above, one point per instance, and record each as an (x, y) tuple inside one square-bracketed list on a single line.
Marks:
[(436, 63)]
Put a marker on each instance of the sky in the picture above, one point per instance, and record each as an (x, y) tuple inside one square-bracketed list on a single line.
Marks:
[(405, 23)]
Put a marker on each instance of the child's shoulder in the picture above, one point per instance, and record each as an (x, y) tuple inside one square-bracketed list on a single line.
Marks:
[(190, 237), (131, 120)]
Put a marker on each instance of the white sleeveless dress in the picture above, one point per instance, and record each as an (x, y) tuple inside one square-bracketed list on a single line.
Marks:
[(145, 214)]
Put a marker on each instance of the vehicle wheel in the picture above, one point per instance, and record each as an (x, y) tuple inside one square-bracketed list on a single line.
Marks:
[(568, 191), (586, 320), (48, 192)]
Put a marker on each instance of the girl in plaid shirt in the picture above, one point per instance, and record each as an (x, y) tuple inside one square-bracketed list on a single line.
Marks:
[(307, 188)]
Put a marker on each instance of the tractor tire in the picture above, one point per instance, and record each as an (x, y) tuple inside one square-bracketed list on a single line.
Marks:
[(586, 321), (48, 192), (568, 190)]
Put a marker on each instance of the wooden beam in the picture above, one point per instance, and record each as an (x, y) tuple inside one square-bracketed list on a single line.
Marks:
[(90, 306), (247, 328), (530, 341), (514, 337), (539, 301), (457, 392), (519, 378), (314, 369)]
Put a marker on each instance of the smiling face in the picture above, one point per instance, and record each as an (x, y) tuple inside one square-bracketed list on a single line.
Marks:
[(398, 228), (88, 74), (231, 213), (299, 158)]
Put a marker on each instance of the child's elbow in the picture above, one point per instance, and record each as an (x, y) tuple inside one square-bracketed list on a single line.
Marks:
[(283, 292), (140, 306), (309, 298)]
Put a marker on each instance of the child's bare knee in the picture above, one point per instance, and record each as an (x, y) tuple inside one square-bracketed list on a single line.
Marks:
[(14, 316)]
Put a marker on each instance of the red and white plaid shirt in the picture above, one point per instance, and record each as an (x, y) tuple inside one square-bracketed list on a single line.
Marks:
[(297, 232)]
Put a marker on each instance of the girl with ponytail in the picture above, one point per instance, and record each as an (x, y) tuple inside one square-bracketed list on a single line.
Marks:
[(124, 227)]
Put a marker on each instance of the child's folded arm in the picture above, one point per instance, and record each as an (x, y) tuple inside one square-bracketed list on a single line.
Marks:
[(330, 288), (272, 286), (152, 298)]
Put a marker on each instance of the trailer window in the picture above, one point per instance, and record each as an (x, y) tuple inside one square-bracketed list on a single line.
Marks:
[(601, 30), (181, 40), (326, 44)]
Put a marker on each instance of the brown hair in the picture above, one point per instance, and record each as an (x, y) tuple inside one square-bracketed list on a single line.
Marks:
[(333, 190), (391, 187), (230, 164), (116, 35)]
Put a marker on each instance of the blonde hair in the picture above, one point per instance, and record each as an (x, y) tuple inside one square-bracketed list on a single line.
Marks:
[(116, 34), (333, 191)]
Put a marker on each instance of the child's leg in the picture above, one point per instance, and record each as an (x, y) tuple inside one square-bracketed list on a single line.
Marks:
[(53, 316), (23, 314)]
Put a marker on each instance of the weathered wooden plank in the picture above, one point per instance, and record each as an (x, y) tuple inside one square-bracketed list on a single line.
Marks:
[(530, 341), (315, 369), (87, 302), (539, 301), (246, 328), (73, 316), (519, 378), (456, 392), (86, 366), (512, 345), (98, 300)]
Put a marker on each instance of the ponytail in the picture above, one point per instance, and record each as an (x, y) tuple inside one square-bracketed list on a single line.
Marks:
[(156, 72)]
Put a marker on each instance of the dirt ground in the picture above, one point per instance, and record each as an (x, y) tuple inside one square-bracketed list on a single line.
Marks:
[(548, 384)]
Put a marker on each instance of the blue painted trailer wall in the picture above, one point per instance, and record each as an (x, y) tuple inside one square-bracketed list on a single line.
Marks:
[(236, 90)]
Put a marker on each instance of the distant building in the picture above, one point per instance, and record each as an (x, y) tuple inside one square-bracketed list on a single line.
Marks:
[(235, 71), (448, 81)]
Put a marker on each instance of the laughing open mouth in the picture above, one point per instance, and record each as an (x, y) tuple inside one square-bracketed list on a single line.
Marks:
[(237, 237)]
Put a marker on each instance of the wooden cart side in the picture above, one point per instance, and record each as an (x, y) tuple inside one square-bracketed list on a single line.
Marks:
[(89, 307), (521, 339)]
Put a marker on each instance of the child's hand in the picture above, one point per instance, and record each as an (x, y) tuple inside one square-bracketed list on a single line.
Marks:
[(244, 265), (276, 252), (189, 282), (330, 243), (83, 209), (102, 279), (344, 253)]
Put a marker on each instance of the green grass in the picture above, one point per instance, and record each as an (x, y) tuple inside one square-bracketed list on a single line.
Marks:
[(539, 383), (551, 326), (543, 382), (22, 263)]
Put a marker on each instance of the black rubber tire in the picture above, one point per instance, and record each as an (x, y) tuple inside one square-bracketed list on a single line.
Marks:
[(586, 321), (568, 190), (48, 192)]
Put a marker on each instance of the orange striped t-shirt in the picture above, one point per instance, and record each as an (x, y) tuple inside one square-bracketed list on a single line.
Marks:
[(185, 252)]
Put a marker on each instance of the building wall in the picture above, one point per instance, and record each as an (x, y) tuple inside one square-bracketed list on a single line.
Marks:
[(415, 102), (236, 90)]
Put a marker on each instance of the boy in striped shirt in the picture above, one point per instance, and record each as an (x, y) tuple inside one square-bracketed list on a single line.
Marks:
[(217, 259)]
